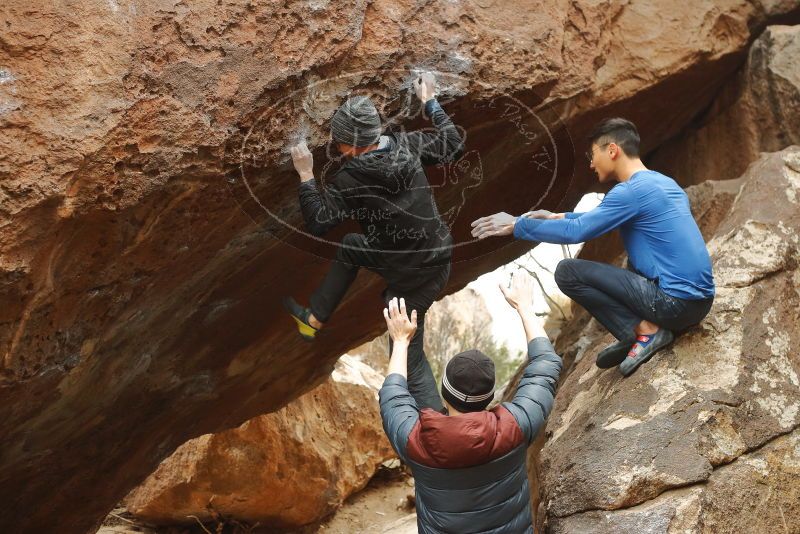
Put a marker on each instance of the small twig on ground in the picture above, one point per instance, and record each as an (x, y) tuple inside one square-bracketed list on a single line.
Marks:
[(200, 523), (530, 254), (122, 518), (785, 526)]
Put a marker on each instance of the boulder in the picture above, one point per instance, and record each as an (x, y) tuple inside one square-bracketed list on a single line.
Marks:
[(704, 437), (757, 492), (755, 112), (285, 469), (149, 214)]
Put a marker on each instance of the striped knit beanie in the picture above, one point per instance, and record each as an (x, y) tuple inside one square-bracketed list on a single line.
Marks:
[(356, 122), (468, 381)]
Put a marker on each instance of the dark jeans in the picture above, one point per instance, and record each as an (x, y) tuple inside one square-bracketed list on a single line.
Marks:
[(620, 298), (418, 286)]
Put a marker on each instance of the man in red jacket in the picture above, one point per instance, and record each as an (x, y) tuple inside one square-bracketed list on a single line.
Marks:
[(469, 465)]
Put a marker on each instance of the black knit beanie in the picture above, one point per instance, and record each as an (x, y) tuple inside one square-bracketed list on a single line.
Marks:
[(468, 381)]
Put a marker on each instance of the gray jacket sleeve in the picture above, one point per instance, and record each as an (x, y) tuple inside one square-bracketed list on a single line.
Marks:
[(534, 398), (399, 412)]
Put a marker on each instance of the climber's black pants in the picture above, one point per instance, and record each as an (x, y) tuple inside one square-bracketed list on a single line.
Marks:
[(418, 286), (621, 298)]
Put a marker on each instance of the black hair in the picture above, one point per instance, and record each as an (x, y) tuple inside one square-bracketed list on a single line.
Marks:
[(617, 130)]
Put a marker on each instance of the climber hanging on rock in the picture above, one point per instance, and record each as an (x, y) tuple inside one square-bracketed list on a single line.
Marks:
[(382, 184), (668, 285)]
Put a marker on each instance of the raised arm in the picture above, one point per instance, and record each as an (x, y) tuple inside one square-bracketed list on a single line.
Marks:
[(618, 206), (322, 210), (443, 143), (399, 411), (537, 388)]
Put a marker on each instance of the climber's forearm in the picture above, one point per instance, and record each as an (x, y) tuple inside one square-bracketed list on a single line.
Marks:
[(399, 361), (531, 323)]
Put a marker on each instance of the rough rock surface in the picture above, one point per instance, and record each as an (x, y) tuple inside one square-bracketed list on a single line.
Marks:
[(705, 437), (284, 469), (756, 112), (143, 184)]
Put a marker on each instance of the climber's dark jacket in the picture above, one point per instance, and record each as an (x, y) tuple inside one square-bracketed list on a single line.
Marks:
[(469, 469), (388, 193)]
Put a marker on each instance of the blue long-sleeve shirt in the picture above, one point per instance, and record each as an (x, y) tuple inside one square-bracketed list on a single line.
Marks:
[(660, 234)]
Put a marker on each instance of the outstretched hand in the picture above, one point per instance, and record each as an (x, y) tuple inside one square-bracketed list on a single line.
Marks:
[(493, 225), (425, 86), (519, 292), (303, 161), (401, 326)]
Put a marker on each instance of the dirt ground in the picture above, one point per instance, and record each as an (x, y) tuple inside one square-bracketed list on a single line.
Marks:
[(384, 506), (383, 503)]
